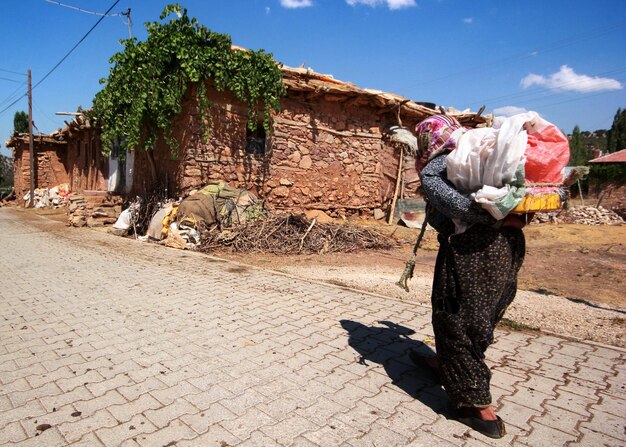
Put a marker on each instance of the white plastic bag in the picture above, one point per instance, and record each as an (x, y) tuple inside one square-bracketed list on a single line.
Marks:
[(123, 221)]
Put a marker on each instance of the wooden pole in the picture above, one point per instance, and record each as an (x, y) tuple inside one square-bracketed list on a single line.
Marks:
[(395, 193), (31, 146)]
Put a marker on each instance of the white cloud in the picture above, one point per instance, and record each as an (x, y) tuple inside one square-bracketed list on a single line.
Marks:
[(268, 10), (567, 79), (468, 20), (508, 111), (291, 4), (391, 4)]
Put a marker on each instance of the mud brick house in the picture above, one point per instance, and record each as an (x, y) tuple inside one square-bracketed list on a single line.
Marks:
[(51, 158), (72, 155), (328, 149)]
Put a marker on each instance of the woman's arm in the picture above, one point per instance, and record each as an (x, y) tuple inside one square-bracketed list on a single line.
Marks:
[(446, 199)]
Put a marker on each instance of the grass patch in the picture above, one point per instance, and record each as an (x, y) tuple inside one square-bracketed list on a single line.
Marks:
[(518, 326)]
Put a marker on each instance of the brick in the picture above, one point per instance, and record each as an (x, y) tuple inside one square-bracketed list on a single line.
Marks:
[(175, 432), (103, 386), (77, 394), (244, 425), (200, 422), (286, 431), (205, 399), (161, 417), (74, 431), (19, 398), (542, 436), (216, 435), (127, 410), (168, 395), (134, 391), (12, 433), (136, 428)]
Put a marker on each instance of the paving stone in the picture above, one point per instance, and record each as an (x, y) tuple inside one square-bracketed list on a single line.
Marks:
[(134, 429), (74, 431), (12, 433), (251, 421), (542, 436), (163, 416), (216, 435), (253, 358), (201, 421), (287, 430)]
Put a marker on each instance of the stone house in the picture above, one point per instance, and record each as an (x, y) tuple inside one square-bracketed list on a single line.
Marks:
[(328, 150)]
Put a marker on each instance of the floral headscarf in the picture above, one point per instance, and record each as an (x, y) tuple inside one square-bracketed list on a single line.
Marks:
[(434, 137)]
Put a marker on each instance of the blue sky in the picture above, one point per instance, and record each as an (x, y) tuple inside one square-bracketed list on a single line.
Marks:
[(564, 59)]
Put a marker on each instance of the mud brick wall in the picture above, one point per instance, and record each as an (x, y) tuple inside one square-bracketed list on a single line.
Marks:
[(50, 165), (86, 167)]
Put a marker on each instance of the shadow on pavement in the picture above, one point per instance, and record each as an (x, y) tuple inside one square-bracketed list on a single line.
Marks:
[(389, 346)]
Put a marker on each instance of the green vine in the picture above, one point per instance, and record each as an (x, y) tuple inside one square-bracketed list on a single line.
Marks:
[(149, 79)]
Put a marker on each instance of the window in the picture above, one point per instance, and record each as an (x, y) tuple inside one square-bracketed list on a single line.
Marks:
[(256, 140)]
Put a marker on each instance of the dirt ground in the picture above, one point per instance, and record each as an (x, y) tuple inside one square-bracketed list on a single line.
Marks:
[(580, 262)]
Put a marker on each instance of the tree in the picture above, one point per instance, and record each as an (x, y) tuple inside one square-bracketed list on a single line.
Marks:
[(616, 138), (20, 122), (578, 149), (149, 79)]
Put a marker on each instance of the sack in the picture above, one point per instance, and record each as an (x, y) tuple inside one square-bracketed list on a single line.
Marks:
[(547, 152)]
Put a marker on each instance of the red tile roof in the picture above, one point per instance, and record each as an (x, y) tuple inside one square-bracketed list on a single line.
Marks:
[(615, 157)]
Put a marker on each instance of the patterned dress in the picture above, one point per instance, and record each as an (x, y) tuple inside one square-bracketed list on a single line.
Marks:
[(475, 281)]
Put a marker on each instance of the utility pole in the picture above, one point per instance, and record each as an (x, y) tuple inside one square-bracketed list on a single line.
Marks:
[(129, 22), (31, 146)]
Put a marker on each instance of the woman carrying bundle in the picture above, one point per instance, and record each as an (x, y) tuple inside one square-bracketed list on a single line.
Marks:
[(475, 279)]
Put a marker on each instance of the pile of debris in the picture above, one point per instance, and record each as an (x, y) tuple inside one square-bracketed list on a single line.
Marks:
[(54, 197), (93, 210), (585, 215), (292, 234)]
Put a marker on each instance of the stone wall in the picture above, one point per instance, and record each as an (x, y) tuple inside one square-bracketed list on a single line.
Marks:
[(50, 165)]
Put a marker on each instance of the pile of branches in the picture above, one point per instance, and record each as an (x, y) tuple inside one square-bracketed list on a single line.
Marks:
[(292, 234), (143, 209)]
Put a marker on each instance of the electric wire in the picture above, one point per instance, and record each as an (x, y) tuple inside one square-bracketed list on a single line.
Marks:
[(11, 80), (66, 55), (78, 43), (13, 72), (76, 8), (11, 96)]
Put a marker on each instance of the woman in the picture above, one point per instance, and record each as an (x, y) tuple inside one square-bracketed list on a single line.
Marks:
[(475, 279)]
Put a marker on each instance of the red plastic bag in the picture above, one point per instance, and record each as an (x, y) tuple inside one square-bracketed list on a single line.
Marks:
[(547, 152)]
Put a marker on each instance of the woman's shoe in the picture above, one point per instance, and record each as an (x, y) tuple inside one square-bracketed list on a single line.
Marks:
[(493, 429)]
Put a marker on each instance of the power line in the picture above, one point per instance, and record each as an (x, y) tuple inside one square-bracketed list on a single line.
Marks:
[(78, 43), (11, 80), (76, 8), (12, 95), (13, 103), (64, 57), (12, 72)]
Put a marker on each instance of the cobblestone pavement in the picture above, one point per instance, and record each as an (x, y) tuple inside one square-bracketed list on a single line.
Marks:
[(109, 341)]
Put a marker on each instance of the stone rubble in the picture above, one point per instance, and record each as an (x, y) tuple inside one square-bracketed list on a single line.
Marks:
[(585, 215), (93, 211)]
